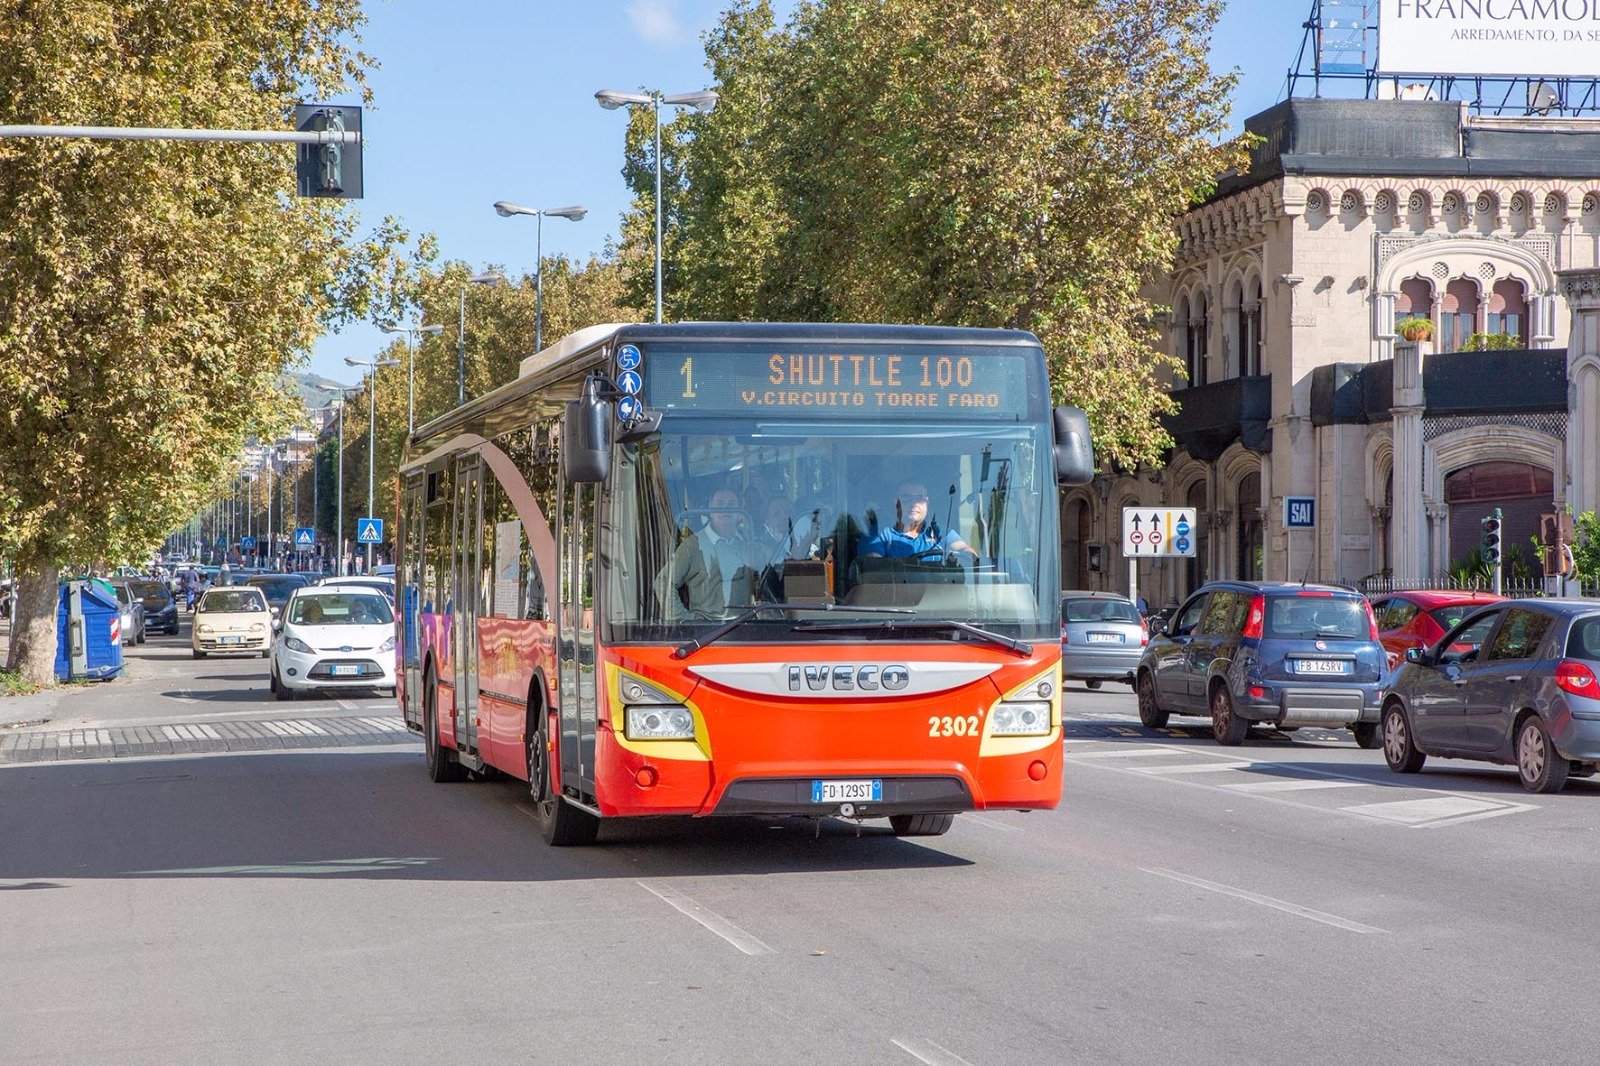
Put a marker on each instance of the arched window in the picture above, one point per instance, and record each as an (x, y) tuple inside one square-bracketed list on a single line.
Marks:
[(1233, 315), (1508, 309), (1252, 530), (1180, 323), (1415, 299), (1195, 349), (1250, 338), (1195, 569), (1458, 314)]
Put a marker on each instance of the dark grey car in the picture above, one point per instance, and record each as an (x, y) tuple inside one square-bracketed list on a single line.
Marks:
[(1514, 683), (1262, 652), (1102, 637)]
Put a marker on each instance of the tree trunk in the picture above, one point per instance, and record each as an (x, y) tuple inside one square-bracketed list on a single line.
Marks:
[(33, 626)]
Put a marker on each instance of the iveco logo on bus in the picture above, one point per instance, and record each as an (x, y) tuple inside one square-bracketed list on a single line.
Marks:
[(848, 677)]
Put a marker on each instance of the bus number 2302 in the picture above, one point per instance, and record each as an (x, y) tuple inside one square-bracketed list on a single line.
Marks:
[(960, 726)]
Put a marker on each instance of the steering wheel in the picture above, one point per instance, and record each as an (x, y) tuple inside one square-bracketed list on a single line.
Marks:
[(927, 553)]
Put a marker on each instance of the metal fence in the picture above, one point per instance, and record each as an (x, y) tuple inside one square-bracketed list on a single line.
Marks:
[(1379, 585)]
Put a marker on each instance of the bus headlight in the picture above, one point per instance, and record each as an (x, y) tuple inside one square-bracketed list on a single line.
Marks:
[(665, 721), (1020, 718)]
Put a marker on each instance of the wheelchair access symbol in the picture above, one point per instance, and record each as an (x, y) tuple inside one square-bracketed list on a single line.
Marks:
[(628, 358)]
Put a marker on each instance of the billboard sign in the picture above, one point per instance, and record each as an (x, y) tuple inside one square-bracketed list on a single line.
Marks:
[(1491, 38)]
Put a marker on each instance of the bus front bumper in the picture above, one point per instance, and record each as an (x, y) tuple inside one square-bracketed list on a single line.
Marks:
[(794, 795)]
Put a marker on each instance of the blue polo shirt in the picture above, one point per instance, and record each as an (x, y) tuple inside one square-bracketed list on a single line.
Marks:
[(892, 543)]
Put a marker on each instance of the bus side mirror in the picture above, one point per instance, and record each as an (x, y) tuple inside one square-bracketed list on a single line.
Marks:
[(586, 436), (1074, 450)]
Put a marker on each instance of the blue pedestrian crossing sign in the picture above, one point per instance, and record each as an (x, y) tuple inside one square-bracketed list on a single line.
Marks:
[(305, 537), (369, 531), (1299, 512), (247, 544)]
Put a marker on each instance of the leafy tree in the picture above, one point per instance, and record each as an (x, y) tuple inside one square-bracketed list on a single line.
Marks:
[(151, 292), (1586, 547), (965, 163)]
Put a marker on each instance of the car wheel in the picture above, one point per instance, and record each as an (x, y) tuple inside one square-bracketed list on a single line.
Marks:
[(1400, 751), (272, 680), (1226, 724), (283, 691), (442, 769), (1367, 735), (1092, 685), (140, 638), (1150, 715), (921, 825), (560, 823), (199, 655), (1539, 765)]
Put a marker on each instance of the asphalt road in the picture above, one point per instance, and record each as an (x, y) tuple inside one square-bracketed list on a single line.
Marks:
[(319, 900)]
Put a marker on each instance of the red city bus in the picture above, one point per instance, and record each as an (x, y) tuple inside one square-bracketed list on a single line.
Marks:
[(745, 569)]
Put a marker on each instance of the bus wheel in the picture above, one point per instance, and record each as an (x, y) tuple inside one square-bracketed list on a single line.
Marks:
[(560, 823), (441, 767), (921, 825)]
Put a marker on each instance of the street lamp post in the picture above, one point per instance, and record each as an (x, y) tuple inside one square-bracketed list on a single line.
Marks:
[(411, 388), (506, 209), (487, 278), (372, 421), (611, 99)]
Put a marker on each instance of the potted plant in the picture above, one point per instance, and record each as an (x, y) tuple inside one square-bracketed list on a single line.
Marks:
[(1415, 329)]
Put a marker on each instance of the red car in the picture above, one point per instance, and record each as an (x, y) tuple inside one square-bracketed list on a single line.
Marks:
[(1420, 619)]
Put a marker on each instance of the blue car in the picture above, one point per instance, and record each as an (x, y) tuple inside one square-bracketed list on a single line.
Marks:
[(1256, 652), (1516, 683)]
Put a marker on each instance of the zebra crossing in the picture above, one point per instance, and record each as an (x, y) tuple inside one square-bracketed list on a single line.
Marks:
[(191, 738)]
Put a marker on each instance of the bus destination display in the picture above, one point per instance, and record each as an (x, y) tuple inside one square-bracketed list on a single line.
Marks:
[(867, 383)]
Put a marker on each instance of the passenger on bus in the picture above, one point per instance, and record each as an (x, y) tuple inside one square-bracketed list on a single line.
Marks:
[(713, 568), (914, 533)]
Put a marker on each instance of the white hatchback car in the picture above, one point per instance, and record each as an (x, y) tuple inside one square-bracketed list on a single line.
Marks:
[(228, 620), (333, 638)]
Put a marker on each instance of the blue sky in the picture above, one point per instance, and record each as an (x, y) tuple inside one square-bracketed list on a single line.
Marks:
[(485, 100)]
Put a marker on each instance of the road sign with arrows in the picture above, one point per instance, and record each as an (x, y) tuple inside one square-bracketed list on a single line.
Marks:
[(1158, 532)]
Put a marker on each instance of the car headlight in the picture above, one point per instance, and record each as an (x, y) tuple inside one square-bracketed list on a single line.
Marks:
[(664, 721), (387, 645), (296, 644), (1020, 718), (256, 627), (205, 629)]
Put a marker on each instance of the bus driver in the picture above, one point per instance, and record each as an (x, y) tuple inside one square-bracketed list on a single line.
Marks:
[(912, 535)]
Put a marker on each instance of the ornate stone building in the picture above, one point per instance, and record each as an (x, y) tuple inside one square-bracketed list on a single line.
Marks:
[(1284, 299)]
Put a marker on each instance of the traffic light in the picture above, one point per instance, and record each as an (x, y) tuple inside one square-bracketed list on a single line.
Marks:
[(1489, 539), (330, 171)]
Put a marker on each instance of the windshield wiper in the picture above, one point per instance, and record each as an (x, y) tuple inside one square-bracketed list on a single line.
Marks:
[(1018, 646), (683, 651)]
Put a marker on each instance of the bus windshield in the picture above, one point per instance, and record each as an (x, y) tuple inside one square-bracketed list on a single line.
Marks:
[(951, 520)]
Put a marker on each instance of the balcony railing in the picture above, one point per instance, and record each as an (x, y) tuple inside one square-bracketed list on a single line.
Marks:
[(1212, 417)]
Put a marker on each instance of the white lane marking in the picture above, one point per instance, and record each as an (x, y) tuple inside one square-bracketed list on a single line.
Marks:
[(347, 704), (1291, 786), (968, 816), (1265, 901), (933, 1054), (1127, 753), (1434, 811), (745, 942), (1194, 768)]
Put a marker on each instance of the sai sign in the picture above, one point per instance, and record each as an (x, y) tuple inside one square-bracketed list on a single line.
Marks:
[(1299, 512), (1158, 532), (369, 531), (1490, 38)]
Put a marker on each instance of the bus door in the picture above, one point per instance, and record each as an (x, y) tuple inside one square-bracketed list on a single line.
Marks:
[(577, 667), (465, 592), (410, 581)]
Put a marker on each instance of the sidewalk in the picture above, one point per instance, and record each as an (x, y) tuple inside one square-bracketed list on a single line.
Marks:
[(57, 701)]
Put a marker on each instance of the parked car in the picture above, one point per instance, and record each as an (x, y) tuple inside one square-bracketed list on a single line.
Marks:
[(1516, 683), (160, 609), (333, 638), (277, 587), (230, 620), (1102, 637), (1409, 620), (1250, 652), (133, 616)]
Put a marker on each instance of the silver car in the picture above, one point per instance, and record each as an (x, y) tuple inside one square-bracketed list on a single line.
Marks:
[(1102, 637), (1516, 683)]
